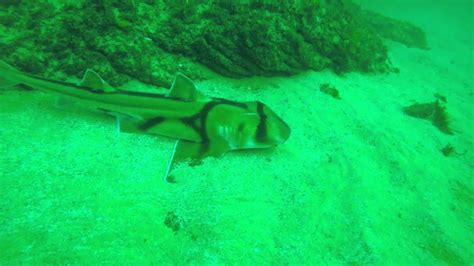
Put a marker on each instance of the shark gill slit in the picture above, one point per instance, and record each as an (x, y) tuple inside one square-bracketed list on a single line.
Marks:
[(261, 131)]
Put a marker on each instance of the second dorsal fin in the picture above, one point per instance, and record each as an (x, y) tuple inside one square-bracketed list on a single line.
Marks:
[(184, 88), (92, 80)]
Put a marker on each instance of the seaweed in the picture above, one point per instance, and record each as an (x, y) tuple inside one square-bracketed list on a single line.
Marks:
[(448, 149), (440, 97), (330, 90), (434, 112), (440, 118), (420, 110), (172, 221)]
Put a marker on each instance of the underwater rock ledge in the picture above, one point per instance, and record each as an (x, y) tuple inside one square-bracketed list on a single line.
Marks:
[(151, 41)]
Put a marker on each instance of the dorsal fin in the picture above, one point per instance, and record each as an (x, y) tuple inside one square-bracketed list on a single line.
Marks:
[(184, 88), (92, 80)]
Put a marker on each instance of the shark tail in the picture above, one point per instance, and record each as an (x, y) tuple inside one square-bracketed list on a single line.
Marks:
[(6, 72)]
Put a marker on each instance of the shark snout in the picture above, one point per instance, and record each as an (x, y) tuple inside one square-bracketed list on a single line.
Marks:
[(285, 131), (278, 130)]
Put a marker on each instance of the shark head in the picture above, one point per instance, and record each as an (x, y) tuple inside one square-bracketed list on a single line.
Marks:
[(271, 129), (256, 126)]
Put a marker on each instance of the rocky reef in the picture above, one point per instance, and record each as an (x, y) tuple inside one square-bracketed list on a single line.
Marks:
[(150, 41)]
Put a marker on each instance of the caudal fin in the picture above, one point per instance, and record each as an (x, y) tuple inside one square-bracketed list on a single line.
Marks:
[(6, 72)]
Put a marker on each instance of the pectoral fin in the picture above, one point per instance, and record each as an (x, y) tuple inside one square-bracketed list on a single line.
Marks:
[(194, 152), (124, 122)]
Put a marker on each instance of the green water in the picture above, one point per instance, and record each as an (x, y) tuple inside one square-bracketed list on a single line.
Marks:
[(378, 169)]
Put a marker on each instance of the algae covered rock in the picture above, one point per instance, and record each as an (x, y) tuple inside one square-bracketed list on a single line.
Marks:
[(67, 40), (273, 39), (396, 30), (151, 41)]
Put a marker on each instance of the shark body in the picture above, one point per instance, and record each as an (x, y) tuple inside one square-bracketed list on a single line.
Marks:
[(203, 126)]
